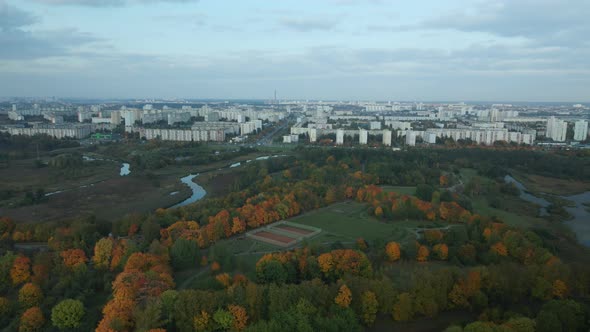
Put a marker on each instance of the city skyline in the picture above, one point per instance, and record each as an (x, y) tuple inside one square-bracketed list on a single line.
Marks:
[(328, 50)]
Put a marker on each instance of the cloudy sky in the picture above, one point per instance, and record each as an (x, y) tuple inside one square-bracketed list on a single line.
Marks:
[(424, 50)]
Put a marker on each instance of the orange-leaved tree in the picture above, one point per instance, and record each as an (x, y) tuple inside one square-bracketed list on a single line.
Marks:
[(393, 252), (21, 270), (344, 297)]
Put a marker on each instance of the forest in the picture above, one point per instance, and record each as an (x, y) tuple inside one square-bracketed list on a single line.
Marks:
[(485, 273)]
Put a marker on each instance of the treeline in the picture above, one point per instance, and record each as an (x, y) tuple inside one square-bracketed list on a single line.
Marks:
[(22, 146), (417, 166)]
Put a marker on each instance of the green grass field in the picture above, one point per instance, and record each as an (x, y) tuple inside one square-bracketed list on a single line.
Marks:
[(348, 221), (481, 206), (399, 189)]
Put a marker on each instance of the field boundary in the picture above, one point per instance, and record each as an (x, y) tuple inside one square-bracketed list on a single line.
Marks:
[(274, 229)]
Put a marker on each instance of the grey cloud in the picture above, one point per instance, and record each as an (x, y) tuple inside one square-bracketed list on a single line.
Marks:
[(554, 22), (20, 44), (12, 17), (331, 71), (307, 24)]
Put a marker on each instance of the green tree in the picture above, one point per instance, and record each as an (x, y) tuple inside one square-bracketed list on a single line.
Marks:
[(369, 307), (273, 272), (184, 254), (403, 310), (424, 192), (67, 314), (521, 324), (223, 318)]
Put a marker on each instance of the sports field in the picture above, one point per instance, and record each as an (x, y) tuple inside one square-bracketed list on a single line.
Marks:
[(348, 221)]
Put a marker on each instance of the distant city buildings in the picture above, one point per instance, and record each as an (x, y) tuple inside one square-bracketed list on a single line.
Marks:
[(57, 131), (392, 124)]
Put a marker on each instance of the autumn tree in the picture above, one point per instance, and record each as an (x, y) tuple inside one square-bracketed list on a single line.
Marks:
[(224, 279), (344, 297), (433, 236), (499, 249), (559, 289), (73, 258), (32, 320), (103, 250), (21, 270), (393, 252), (361, 244), (441, 251), (369, 307), (30, 295), (240, 317), (67, 314), (422, 254), (378, 212), (201, 322)]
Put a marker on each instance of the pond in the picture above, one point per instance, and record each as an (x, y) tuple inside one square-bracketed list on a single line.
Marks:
[(125, 169)]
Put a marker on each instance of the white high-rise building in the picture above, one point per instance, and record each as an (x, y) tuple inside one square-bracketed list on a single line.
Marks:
[(581, 130), (313, 135), (556, 129), (387, 137), (116, 118), (83, 116), (375, 125), (410, 138), (430, 138), (363, 136), (339, 137), (494, 115)]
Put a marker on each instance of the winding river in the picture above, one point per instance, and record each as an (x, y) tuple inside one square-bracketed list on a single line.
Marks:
[(580, 221), (543, 203), (198, 191)]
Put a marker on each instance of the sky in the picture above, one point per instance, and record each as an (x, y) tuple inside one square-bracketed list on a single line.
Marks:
[(423, 50)]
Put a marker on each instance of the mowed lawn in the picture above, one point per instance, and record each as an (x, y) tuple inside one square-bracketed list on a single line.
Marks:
[(349, 221)]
